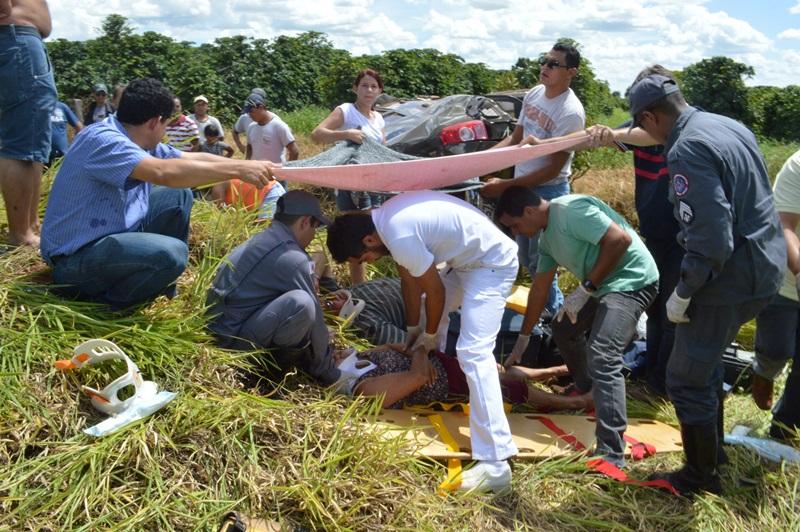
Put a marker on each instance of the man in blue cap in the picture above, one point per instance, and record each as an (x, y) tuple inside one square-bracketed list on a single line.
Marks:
[(734, 261)]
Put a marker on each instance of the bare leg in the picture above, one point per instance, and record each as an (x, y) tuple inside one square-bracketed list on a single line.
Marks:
[(20, 182), (522, 373), (541, 399)]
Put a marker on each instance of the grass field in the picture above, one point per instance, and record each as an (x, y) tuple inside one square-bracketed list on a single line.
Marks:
[(295, 454)]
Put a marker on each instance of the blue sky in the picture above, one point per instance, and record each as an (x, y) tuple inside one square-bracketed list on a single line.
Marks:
[(619, 37)]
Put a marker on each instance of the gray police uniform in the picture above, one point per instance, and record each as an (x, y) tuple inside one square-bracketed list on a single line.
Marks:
[(735, 252), (263, 296)]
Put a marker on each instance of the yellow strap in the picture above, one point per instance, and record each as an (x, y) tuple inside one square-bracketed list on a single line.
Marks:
[(453, 481), (447, 407)]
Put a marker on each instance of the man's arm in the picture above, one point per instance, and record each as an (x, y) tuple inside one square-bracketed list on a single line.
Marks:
[(613, 246), (238, 141), (292, 151), (512, 140), (248, 154), (412, 295), (494, 187), (789, 221), (192, 170), (431, 285), (703, 213)]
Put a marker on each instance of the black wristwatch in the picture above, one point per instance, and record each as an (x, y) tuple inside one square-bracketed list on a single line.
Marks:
[(588, 285)]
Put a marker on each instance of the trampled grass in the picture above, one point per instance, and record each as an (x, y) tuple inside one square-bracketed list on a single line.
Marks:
[(295, 453)]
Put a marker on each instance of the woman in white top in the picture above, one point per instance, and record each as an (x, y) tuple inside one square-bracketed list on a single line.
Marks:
[(354, 122)]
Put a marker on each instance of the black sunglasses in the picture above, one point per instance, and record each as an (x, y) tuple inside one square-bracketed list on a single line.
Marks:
[(552, 63)]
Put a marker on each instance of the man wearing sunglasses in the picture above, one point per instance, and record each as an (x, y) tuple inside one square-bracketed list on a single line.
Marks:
[(550, 109), (734, 261)]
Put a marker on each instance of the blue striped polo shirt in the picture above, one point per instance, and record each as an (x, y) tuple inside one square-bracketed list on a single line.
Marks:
[(93, 194)]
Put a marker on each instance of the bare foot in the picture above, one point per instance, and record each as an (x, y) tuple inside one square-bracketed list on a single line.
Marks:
[(27, 239)]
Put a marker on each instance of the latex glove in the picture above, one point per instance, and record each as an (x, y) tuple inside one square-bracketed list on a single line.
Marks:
[(412, 333), (426, 341), (676, 308), (797, 283), (519, 348), (573, 304)]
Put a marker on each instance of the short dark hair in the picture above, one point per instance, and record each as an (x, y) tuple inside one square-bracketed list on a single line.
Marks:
[(513, 201), (651, 70), (346, 234), (573, 56), (211, 131), (143, 99)]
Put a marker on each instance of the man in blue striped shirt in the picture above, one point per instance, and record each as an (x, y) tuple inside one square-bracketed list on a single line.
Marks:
[(109, 233)]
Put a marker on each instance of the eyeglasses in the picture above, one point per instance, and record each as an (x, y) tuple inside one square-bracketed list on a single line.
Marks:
[(552, 63)]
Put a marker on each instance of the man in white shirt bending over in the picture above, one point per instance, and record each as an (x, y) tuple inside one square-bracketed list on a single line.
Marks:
[(420, 230)]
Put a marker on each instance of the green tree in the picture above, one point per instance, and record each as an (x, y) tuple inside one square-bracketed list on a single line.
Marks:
[(717, 85), (782, 114)]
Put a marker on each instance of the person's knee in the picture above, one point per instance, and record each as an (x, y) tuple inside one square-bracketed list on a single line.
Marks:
[(171, 257)]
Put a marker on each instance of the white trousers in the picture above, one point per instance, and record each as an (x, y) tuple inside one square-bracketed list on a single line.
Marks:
[(481, 293)]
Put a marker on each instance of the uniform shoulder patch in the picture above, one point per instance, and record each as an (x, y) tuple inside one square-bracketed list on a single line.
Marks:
[(680, 184), (686, 212)]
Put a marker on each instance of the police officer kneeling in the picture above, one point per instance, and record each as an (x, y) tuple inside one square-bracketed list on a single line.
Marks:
[(735, 255)]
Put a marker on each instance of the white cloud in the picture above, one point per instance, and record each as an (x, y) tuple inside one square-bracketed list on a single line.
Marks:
[(795, 9), (793, 33), (619, 37)]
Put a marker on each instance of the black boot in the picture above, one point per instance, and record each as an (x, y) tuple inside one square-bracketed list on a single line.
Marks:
[(699, 473)]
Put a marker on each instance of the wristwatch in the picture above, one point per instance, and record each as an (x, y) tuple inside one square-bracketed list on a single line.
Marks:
[(588, 285)]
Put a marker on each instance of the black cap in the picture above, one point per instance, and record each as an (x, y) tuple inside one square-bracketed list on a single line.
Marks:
[(648, 91), (301, 203), (254, 100)]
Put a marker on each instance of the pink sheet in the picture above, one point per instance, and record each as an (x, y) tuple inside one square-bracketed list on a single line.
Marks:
[(420, 174)]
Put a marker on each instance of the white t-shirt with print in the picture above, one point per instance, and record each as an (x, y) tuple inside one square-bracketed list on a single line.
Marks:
[(269, 140), (422, 228), (372, 127), (546, 118)]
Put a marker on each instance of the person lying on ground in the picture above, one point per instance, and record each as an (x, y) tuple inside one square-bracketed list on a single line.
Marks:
[(109, 233), (417, 379)]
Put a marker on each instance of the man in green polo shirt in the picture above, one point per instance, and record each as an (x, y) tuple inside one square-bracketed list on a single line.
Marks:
[(619, 281)]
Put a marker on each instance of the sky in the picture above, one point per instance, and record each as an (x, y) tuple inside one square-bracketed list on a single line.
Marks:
[(619, 37)]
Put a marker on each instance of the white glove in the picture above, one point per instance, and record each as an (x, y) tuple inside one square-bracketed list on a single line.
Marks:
[(573, 304), (412, 333), (519, 348), (426, 341), (676, 308)]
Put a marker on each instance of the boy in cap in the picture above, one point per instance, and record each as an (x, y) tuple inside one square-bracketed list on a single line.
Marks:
[(734, 261), (264, 295)]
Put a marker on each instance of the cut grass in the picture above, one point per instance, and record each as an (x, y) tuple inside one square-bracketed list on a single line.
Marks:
[(298, 455)]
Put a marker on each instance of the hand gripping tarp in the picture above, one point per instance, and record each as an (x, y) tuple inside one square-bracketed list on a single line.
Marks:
[(408, 173)]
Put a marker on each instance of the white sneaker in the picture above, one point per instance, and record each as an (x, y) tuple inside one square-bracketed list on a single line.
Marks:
[(486, 477)]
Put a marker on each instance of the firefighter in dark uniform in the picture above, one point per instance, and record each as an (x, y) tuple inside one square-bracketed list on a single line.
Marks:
[(734, 261)]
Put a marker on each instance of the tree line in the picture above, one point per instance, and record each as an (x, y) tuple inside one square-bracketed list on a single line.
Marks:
[(303, 70)]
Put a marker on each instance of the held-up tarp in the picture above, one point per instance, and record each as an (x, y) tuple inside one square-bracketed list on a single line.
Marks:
[(409, 173)]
